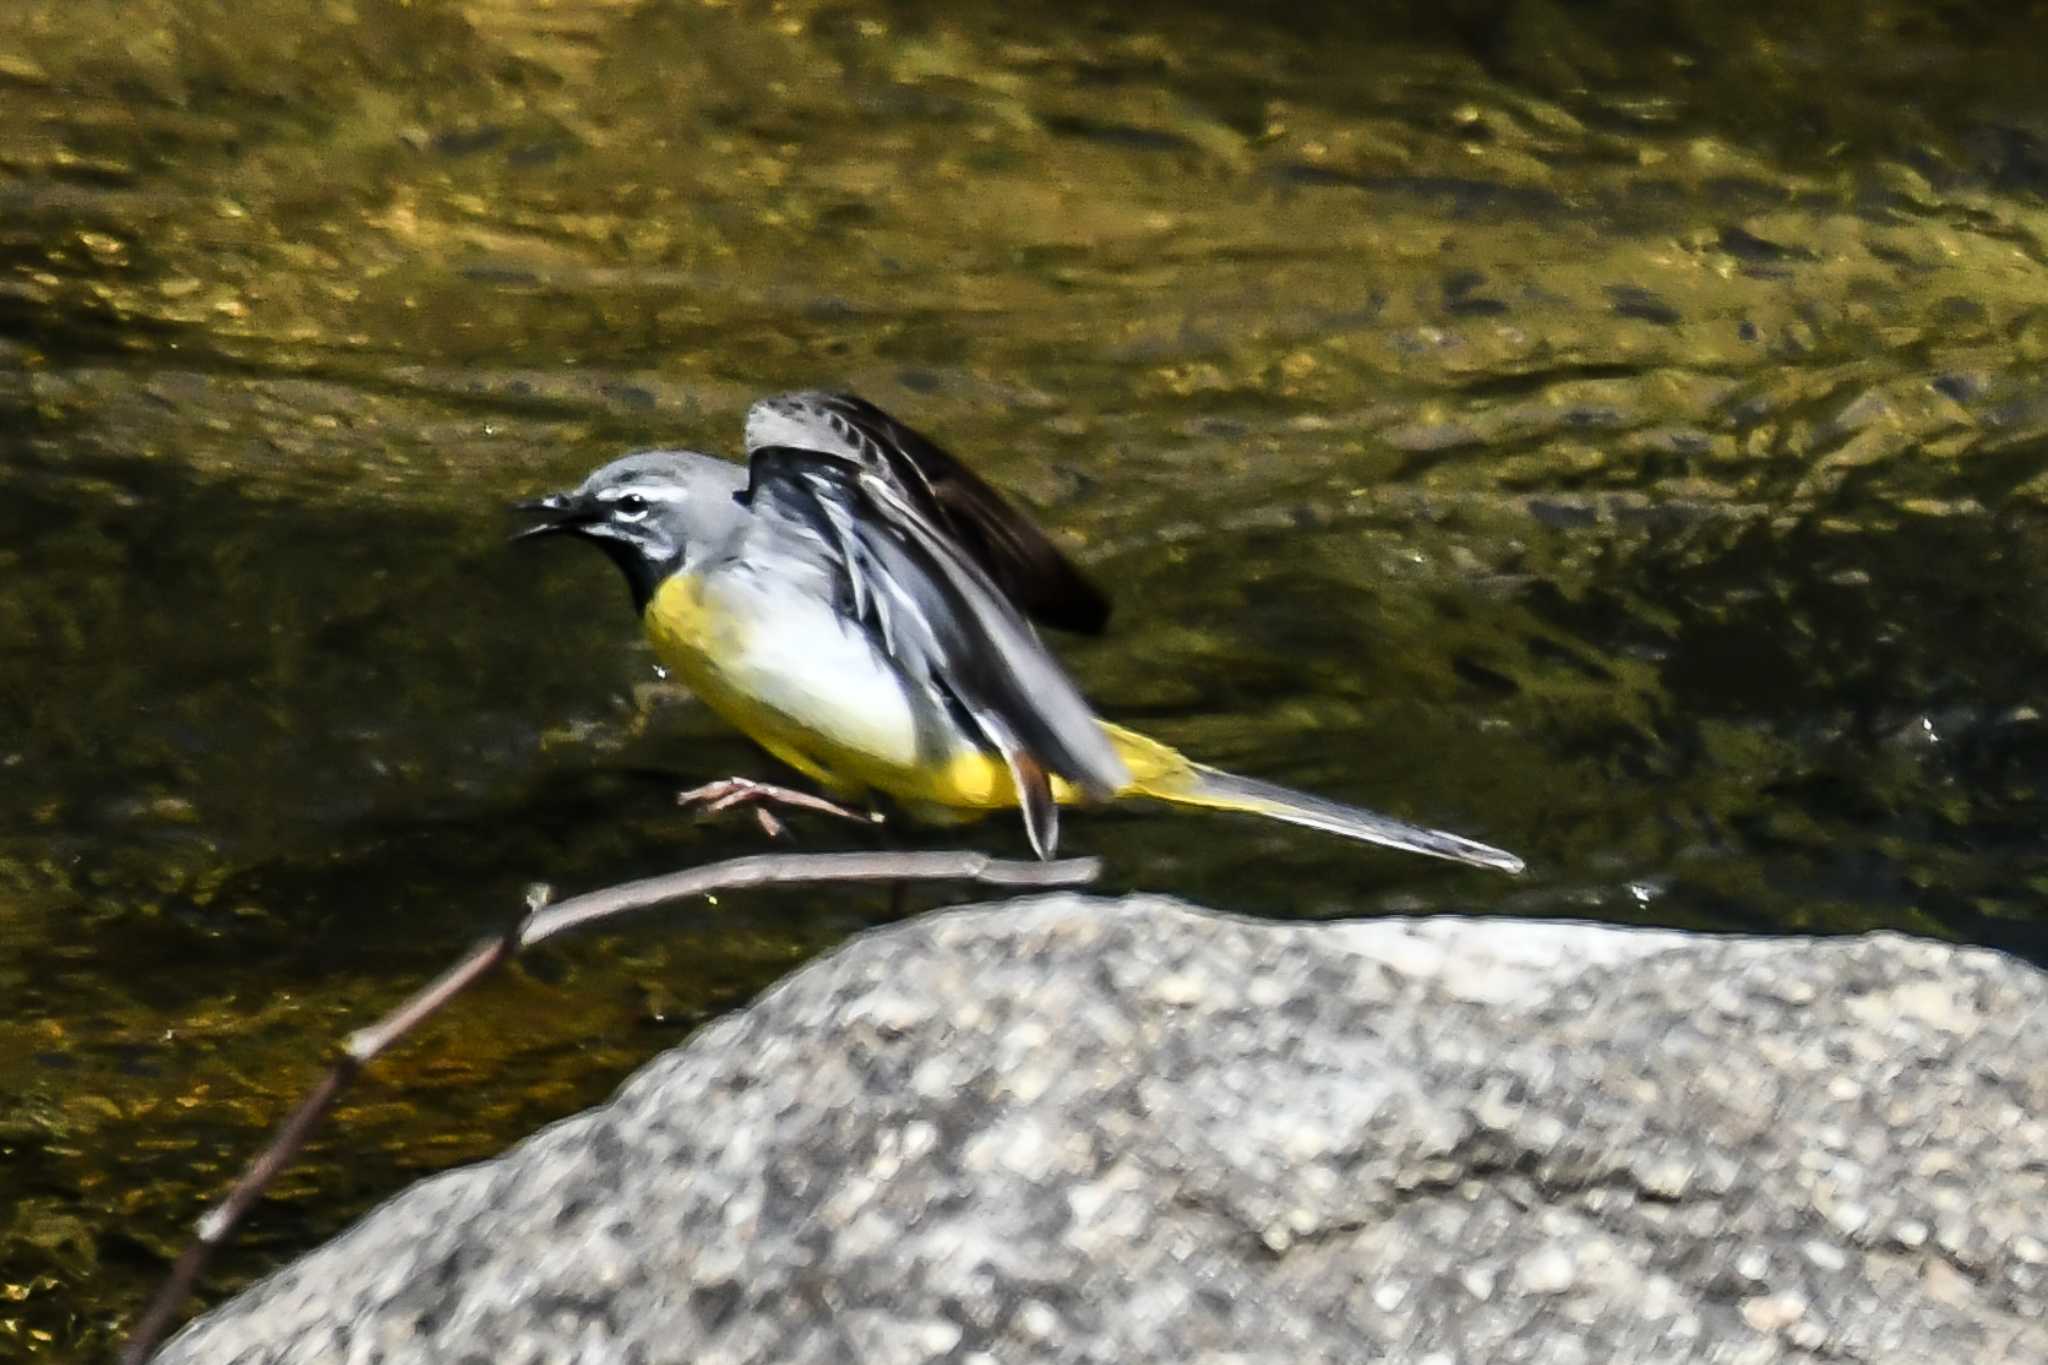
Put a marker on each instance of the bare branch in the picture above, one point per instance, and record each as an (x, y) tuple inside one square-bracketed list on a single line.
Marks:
[(539, 923), (770, 869)]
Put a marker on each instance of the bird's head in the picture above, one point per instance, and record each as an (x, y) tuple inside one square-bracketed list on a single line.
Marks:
[(647, 511)]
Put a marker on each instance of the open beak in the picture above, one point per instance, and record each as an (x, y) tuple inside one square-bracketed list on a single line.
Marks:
[(555, 512)]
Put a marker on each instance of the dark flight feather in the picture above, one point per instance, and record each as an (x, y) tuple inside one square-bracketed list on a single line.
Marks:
[(1010, 548)]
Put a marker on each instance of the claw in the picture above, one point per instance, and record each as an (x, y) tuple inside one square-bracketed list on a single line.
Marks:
[(723, 795)]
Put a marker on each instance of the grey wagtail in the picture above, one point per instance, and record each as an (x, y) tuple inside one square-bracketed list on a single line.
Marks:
[(859, 603)]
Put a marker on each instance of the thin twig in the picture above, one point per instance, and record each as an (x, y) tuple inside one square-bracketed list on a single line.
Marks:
[(769, 869), (541, 922)]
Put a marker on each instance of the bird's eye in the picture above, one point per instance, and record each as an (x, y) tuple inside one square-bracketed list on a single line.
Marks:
[(631, 507)]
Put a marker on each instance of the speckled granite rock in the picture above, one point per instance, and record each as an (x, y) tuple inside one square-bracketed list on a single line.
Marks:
[(1073, 1130)]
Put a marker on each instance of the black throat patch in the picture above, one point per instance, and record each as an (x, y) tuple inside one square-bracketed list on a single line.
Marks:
[(643, 574)]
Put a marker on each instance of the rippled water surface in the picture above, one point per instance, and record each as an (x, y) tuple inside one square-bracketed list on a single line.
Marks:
[(1613, 431)]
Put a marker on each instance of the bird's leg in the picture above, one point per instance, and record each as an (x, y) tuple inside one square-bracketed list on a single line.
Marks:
[(724, 795)]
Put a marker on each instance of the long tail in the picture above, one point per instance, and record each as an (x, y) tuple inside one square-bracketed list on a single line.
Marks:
[(1165, 774)]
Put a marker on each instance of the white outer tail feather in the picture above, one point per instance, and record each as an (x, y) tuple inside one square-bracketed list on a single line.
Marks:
[(1227, 791)]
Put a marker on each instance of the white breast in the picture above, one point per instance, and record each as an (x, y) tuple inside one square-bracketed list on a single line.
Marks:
[(790, 652)]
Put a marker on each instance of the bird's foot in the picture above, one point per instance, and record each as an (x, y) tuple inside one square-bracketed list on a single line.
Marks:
[(715, 798)]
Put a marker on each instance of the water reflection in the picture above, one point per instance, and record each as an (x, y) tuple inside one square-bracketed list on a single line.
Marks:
[(1616, 434)]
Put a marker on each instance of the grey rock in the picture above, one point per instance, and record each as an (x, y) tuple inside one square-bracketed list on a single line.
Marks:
[(1075, 1130)]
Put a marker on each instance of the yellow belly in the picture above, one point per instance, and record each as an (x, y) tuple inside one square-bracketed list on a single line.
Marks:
[(803, 705), (723, 652)]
